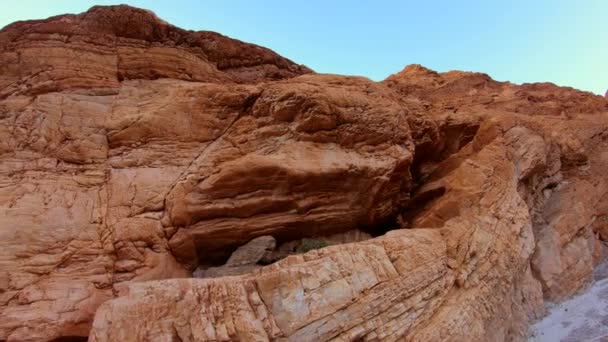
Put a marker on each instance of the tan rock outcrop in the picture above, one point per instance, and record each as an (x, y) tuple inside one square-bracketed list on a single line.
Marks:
[(341, 291), (458, 91), (133, 152), (462, 272)]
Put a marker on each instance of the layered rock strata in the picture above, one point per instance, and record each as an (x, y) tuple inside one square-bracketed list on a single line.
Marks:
[(132, 152)]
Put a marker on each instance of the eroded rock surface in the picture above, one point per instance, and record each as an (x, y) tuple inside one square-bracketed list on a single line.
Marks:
[(96, 50), (132, 151)]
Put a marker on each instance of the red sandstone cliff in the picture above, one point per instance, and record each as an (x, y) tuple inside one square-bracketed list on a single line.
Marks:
[(133, 152)]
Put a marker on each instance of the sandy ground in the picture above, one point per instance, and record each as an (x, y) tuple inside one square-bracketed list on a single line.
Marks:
[(582, 318)]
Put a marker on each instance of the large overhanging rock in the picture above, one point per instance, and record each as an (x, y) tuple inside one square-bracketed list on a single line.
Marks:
[(313, 155), (132, 152)]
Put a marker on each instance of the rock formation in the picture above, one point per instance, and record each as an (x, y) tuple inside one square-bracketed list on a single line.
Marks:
[(133, 153)]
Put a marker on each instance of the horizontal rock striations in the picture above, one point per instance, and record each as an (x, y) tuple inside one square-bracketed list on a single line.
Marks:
[(426, 207), (96, 50)]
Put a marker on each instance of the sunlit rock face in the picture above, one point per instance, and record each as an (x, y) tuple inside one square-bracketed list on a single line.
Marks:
[(435, 206)]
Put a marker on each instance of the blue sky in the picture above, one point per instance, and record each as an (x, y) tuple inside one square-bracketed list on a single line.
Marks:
[(565, 42)]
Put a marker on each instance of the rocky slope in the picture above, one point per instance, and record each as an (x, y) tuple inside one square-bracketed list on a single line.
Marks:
[(133, 153)]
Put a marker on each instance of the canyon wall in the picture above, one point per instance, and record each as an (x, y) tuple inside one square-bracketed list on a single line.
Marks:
[(133, 152)]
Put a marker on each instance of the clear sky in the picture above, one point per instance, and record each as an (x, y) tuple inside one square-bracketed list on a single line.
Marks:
[(560, 41)]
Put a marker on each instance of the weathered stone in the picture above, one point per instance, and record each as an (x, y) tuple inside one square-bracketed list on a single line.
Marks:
[(132, 151)]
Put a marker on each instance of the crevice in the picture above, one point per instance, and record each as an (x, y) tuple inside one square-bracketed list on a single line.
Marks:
[(384, 226), (245, 110), (426, 182), (265, 250), (452, 137)]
